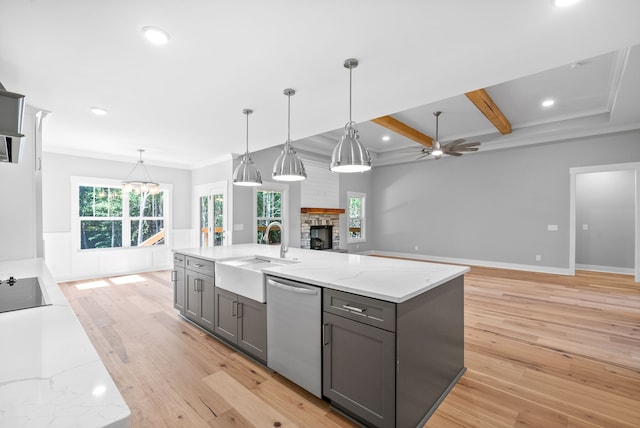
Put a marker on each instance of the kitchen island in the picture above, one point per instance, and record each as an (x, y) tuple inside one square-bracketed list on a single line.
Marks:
[(391, 332), (50, 373)]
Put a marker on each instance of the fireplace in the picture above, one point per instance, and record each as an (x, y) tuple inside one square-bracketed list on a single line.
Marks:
[(321, 237)]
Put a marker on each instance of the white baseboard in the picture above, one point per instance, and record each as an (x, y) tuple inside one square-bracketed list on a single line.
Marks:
[(606, 269), (472, 262)]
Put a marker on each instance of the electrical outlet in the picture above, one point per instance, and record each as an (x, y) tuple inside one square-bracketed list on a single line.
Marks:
[(538, 258), (585, 227), (416, 248)]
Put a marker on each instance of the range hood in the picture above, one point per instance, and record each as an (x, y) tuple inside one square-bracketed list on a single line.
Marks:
[(11, 114)]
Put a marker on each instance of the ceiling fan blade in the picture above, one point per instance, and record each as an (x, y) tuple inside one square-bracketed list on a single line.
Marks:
[(411, 149), (456, 142), (423, 156), (453, 153), (467, 149), (475, 144)]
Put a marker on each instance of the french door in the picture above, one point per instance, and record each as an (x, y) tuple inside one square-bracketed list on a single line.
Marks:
[(212, 214)]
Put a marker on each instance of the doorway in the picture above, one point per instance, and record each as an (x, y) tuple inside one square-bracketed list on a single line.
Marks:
[(211, 211), (577, 199)]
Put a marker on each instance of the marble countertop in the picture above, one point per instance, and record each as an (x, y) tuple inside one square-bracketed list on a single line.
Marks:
[(387, 279), (50, 373)]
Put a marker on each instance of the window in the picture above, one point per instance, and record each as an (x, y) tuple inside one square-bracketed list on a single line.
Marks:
[(269, 208), (109, 218), (356, 212)]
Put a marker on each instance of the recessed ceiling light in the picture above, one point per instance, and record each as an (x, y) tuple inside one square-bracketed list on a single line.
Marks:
[(547, 103), (564, 3), (98, 111), (385, 138), (156, 35)]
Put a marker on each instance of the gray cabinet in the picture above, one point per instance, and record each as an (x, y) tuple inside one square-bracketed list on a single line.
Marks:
[(178, 282), (359, 359), (242, 322), (199, 297), (387, 364)]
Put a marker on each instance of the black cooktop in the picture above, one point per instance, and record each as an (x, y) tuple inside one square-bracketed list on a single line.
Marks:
[(21, 293)]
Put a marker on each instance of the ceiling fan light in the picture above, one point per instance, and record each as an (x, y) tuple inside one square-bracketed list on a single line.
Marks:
[(246, 174), (350, 155), (437, 149), (288, 166)]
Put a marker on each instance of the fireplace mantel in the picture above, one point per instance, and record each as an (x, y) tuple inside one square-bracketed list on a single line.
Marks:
[(327, 211)]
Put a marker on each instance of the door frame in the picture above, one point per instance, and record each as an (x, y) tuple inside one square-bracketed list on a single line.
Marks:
[(631, 166), (217, 187)]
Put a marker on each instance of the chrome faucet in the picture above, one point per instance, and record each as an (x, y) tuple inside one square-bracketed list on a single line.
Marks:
[(283, 245)]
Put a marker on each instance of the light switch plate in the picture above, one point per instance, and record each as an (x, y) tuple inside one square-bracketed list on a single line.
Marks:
[(238, 226), (552, 227)]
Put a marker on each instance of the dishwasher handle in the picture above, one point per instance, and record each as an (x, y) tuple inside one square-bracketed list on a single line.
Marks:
[(291, 288)]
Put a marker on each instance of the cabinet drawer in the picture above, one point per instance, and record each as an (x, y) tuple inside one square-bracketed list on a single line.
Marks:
[(377, 313), (178, 260), (200, 265)]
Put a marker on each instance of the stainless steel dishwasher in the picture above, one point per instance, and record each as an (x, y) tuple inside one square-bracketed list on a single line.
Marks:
[(294, 322)]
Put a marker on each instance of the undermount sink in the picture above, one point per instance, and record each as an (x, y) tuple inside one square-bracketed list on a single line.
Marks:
[(244, 276)]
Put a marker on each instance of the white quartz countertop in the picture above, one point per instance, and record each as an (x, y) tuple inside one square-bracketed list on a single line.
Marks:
[(50, 373), (387, 279)]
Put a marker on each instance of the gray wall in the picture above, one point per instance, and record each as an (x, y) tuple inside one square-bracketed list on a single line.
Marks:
[(58, 170), (605, 201), (490, 206), (18, 198)]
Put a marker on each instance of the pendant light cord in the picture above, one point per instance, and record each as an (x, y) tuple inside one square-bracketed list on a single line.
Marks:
[(350, 90), (289, 117), (246, 153)]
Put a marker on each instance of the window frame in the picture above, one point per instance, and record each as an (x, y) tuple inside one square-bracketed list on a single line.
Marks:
[(363, 217), (284, 206), (77, 182)]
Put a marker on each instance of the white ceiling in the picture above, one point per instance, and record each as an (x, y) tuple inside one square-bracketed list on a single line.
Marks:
[(183, 102)]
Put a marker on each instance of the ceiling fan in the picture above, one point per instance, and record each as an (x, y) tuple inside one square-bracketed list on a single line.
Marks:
[(454, 148)]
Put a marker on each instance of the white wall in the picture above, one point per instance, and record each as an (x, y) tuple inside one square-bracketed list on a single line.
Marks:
[(605, 221), (18, 218), (62, 255), (493, 206)]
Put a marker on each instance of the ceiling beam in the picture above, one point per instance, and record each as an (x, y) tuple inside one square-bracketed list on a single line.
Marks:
[(403, 129), (485, 104)]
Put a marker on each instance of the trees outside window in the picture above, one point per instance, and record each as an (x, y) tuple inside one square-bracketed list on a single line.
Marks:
[(109, 218), (356, 219), (269, 208)]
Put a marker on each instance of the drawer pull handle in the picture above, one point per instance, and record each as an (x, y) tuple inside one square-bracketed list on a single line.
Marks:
[(353, 308), (198, 265)]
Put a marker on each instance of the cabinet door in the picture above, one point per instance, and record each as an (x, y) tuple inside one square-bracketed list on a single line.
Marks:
[(179, 290), (252, 327), (207, 304), (226, 310), (359, 369), (192, 302)]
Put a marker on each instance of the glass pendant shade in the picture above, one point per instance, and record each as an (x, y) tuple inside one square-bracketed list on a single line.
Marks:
[(246, 174), (288, 166), (350, 155), (138, 180)]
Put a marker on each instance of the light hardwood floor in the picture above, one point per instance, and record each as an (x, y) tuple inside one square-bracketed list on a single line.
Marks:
[(541, 351)]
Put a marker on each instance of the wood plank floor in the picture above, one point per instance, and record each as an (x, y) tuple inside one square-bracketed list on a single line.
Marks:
[(541, 351)]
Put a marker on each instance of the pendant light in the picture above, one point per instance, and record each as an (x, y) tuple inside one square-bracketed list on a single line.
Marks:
[(246, 174), (350, 155), (288, 166), (138, 180)]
